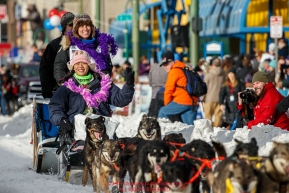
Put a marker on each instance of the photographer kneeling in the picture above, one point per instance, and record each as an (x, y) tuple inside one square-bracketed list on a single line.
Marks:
[(264, 109)]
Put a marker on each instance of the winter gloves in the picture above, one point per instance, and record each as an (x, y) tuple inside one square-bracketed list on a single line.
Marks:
[(245, 121), (65, 126), (129, 76)]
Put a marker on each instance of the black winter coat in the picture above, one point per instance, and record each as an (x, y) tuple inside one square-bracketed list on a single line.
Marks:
[(60, 64), (66, 103), (231, 109), (283, 105), (47, 65)]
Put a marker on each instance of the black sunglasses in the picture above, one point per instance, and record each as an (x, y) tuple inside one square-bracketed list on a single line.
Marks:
[(70, 25)]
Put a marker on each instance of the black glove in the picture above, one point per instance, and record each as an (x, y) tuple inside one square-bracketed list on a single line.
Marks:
[(245, 121), (46, 92), (129, 76), (65, 126)]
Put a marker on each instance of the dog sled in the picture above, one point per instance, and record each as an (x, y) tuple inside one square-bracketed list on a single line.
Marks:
[(43, 138), (51, 153)]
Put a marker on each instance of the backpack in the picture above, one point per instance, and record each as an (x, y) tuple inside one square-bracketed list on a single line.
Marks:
[(195, 85)]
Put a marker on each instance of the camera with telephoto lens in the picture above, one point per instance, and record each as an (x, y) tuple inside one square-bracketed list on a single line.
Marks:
[(248, 96)]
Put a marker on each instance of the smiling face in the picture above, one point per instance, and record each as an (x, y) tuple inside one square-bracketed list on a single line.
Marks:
[(84, 31), (259, 87), (81, 68)]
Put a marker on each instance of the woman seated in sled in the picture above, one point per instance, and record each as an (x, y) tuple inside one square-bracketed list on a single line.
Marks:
[(86, 90)]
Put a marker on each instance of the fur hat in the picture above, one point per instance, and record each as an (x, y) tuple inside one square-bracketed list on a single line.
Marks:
[(260, 77), (66, 19), (80, 20), (80, 56)]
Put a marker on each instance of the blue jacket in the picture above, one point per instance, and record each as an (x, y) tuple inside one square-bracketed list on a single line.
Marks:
[(66, 104)]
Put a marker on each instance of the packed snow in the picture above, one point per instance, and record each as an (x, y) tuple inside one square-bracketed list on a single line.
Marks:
[(16, 163)]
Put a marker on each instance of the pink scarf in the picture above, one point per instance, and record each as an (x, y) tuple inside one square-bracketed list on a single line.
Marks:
[(92, 100)]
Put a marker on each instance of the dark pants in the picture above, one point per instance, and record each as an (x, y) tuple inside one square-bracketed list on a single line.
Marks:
[(155, 107)]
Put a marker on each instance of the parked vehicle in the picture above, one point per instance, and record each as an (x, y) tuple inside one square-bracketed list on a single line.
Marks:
[(28, 82)]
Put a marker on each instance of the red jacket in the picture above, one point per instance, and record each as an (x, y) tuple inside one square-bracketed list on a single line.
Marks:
[(265, 110)]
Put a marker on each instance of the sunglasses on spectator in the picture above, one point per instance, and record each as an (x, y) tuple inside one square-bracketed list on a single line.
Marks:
[(70, 25)]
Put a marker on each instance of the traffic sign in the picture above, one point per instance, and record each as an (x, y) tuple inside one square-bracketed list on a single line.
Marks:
[(276, 26), (2, 11), (123, 17)]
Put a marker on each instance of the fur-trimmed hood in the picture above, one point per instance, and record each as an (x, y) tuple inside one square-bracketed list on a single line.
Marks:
[(65, 42)]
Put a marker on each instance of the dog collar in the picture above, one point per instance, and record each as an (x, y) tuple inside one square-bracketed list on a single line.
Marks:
[(94, 144)]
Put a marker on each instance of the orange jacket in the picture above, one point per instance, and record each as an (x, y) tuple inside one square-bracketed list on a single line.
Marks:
[(173, 92)]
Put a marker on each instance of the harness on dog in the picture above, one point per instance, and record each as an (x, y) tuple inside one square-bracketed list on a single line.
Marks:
[(205, 163), (176, 144)]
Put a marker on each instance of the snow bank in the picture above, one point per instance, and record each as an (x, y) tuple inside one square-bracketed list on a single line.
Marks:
[(265, 135)]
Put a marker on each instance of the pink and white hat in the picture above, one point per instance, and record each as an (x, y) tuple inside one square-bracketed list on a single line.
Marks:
[(80, 56)]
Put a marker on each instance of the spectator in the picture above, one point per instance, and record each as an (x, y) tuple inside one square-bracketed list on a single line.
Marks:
[(85, 36), (201, 67), (265, 109), (35, 21), (176, 99), (48, 83), (256, 60), (245, 68), (3, 110), (283, 47), (3, 70), (7, 91), (229, 95), (227, 64), (214, 78), (122, 70), (36, 57), (157, 79), (271, 71), (249, 77), (115, 73), (144, 66), (270, 54), (280, 77), (266, 65)]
